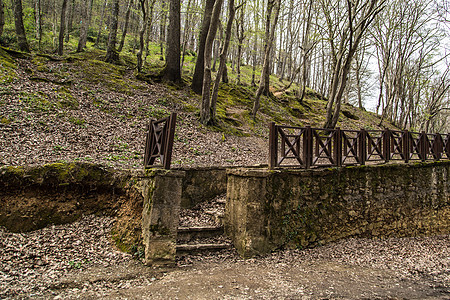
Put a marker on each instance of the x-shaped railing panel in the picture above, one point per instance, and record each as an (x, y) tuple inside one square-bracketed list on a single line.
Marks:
[(320, 147), (375, 146), (159, 142)]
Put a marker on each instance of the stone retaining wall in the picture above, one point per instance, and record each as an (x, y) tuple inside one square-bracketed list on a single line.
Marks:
[(202, 184), (271, 209)]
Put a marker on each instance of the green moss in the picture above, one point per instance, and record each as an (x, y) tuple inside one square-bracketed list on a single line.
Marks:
[(36, 101), (77, 121), (7, 68), (41, 63), (5, 121), (100, 72), (65, 99)]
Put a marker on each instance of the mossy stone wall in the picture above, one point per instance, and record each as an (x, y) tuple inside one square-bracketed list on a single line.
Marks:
[(202, 184), (267, 210), (160, 215)]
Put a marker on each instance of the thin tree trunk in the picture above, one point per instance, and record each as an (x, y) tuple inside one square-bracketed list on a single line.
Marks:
[(185, 32), (83, 28), (216, 47), (125, 27), (352, 37), (112, 56), (306, 49), (197, 79), (255, 49), (265, 80), (205, 113), (62, 28), (172, 71), (70, 20), (240, 38), (162, 28), (97, 40), (2, 18), (37, 14), (20, 29), (141, 35), (223, 58), (149, 26), (268, 49), (225, 72)]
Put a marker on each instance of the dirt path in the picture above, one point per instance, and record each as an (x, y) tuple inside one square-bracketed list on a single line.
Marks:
[(254, 279), (78, 261)]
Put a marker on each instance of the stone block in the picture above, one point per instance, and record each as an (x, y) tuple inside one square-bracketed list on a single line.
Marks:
[(160, 215)]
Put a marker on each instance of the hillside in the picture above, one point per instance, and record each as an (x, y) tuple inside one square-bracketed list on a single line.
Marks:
[(79, 108)]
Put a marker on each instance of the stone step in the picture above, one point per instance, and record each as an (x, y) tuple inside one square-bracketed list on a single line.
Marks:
[(221, 201), (198, 232), (197, 248)]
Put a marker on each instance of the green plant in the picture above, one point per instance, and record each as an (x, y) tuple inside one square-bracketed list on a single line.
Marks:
[(76, 121), (58, 148), (78, 264)]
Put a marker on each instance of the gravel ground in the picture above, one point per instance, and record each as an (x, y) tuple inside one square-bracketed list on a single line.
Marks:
[(78, 261)]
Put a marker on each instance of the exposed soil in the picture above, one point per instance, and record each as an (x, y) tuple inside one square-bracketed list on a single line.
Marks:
[(78, 261)]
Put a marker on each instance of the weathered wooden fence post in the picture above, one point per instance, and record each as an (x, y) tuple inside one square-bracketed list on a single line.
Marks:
[(308, 147), (362, 146), (273, 145), (406, 146), (338, 146), (387, 145)]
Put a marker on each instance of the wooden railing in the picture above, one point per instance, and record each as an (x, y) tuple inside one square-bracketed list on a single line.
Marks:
[(159, 142), (306, 147)]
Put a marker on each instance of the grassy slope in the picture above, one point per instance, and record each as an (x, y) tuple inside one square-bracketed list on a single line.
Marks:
[(78, 90)]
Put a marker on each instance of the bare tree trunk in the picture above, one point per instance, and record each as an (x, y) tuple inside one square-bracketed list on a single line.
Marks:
[(162, 28), (185, 32), (225, 72), (358, 82), (97, 40), (223, 58), (306, 50), (172, 71), (70, 20), (265, 80), (344, 57), (255, 49), (216, 47), (141, 35), (125, 27), (197, 79), (268, 49), (62, 28), (37, 14), (2, 18), (149, 26), (20, 29), (83, 28), (112, 56), (205, 112), (240, 38)]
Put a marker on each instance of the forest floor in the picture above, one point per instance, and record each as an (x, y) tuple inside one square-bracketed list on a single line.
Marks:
[(78, 261), (79, 108)]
